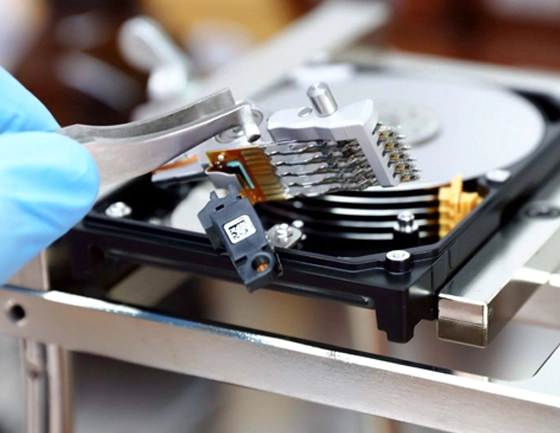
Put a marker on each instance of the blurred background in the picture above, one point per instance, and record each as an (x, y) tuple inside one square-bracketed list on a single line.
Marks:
[(73, 56), (66, 51)]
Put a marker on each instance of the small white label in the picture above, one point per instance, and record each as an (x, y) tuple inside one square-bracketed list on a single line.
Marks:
[(240, 228)]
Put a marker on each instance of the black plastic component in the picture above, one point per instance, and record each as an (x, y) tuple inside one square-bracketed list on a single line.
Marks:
[(232, 223), (398, 261)]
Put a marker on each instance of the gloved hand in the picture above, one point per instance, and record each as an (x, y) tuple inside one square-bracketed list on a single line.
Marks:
[(47, 182)]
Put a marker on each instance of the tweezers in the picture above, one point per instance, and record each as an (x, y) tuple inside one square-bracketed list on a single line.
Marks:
[(123, 152)]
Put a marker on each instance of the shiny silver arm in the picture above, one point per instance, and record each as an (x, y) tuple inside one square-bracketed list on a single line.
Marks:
[(123, 152)]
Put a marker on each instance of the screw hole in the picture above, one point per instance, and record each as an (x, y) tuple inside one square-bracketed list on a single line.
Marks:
[(16, 313), (260, 264)]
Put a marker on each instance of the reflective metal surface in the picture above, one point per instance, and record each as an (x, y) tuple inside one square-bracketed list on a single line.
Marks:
[(469, 155), (487, 292), (60, 389), (46, 368), (33, 275), (35, 387), (322, 99), (284, 235), (364, 383), (123, 152)]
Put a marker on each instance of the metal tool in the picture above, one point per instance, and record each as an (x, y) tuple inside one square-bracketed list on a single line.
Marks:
[(123, 152)]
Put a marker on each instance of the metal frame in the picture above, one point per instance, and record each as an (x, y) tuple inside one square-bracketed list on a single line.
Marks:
[(365, 383), (489, 290), (46, 368)]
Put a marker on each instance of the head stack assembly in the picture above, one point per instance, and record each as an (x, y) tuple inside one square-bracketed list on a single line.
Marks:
[(319, 150), (309, 151)]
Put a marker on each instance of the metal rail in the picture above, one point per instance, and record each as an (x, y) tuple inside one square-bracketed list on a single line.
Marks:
[(46, 368), (361, 382), (489, 290)]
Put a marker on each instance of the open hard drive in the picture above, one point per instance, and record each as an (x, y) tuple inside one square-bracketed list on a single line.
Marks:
[(483, 151)]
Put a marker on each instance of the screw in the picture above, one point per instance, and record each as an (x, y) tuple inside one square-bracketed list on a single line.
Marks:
[(398, 261), (298, 224), (118, 209), (497, 176), (322, 99), (284, 235), (398, 255), (406, 222), (283, 231)]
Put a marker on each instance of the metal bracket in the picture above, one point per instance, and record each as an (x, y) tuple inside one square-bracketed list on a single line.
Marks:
[(365, 383), (489, 290), (46, 367)]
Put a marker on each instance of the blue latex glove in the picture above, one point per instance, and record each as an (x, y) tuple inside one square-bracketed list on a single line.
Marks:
[(47, 182)]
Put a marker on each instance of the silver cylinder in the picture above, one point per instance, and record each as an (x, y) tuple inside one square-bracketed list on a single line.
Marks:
[(406, 223), (322, 99)]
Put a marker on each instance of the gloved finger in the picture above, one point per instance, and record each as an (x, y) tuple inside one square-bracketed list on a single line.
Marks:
[(20, 110), (47, 184)]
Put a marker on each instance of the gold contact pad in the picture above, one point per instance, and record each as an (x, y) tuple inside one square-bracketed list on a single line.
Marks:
[(254, 171)]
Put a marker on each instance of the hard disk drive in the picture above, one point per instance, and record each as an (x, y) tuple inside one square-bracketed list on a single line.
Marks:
[(483, 150)]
